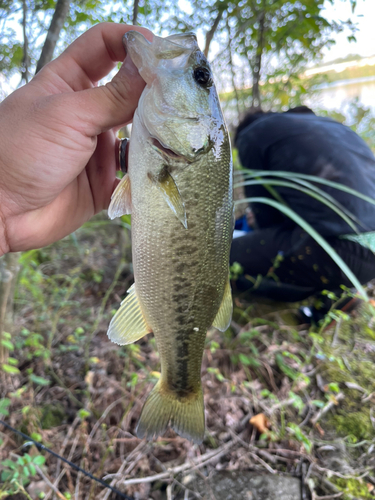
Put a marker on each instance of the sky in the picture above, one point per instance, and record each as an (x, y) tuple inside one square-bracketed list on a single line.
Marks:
[(364, 17)]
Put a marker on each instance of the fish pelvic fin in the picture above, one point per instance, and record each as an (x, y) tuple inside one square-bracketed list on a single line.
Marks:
[(121, 200), (224, 314), (185, 415), (128, 324)]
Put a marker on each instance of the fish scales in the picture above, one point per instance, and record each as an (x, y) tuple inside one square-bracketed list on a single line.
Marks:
[(188, 280), (180, 196)]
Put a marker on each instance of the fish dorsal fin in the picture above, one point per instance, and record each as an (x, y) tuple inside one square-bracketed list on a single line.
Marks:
[(224, 315), (121, 200), (172, 196), (128, 324)]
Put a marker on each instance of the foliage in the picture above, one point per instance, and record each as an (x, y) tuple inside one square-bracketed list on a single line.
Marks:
[(17, 473), (81, 16), (265, 363), (304, 183)]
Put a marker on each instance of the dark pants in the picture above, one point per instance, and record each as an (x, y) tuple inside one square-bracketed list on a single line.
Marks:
[(288, 265)]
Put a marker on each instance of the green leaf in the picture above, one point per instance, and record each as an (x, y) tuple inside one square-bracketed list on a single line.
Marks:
[(6, 475), (36, 436), (39, 380), (4, 404), (39, 460), (292, 374), (8, 344), (13, 370), (12, 361), (244, 359), (83, 413)]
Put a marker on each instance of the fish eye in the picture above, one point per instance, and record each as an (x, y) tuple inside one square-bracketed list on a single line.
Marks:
[(202, 76)]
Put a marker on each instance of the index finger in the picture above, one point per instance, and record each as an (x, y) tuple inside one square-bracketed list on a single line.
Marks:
[(93, 55)]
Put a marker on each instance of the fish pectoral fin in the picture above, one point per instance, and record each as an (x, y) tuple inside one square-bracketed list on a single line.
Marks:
[(172, 196), (128, 324), (224, 315), (121, 200)]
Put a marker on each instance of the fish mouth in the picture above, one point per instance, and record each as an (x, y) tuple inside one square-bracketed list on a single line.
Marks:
[(165, 151)]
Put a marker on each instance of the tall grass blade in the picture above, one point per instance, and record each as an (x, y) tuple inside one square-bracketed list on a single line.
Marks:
[(293, 175), (314, 234), (317, 194)]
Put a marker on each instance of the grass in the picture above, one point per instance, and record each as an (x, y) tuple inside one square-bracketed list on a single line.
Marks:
[(81, 395)]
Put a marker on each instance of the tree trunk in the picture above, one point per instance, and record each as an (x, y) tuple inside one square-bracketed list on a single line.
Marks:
[(210, 34), (25, 62), (135, 12), (57, 22), (8, 276), (233, 74), (258, 59)]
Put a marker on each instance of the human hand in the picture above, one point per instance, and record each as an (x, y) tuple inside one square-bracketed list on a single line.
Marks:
[(58, 139)]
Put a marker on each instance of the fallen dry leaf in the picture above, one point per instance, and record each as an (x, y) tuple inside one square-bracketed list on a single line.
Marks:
[(261, 423)]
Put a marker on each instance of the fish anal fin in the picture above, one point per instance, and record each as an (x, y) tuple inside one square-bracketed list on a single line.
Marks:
[(128, 325), (185, 415), (224, 314), (121, 200), (172, 196)]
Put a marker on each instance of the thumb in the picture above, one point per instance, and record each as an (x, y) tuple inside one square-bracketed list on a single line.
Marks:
[(113, 104)]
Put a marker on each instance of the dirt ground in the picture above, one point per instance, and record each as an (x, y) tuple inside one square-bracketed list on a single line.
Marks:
[(281, 398)]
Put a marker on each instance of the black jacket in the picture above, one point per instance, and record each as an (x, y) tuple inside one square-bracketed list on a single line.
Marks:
[(309, 144)]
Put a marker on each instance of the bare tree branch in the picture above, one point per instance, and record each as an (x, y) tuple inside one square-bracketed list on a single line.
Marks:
[(57, 22), (135, 12), (210, 34), (258, 57), (25, 61)]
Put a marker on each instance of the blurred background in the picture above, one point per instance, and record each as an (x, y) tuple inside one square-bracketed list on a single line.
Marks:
[(273, 53)]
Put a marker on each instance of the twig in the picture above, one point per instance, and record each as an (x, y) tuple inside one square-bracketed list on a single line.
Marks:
[(76, 491), (65, 470), (100, 420), (251, 452), (275, 407), (64, 445), (169, 492), (343, 476), (327, 407), (121, 472), (336, 334), (46, 480), (328, 497), (198, 462)]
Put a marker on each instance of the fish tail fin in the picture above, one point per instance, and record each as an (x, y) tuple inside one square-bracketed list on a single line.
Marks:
[(185, 415)]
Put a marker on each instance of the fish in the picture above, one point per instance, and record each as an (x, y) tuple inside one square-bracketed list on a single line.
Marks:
[(179, 191)]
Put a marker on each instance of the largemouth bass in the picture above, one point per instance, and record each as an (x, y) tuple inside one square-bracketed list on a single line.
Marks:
[(179, 191)]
